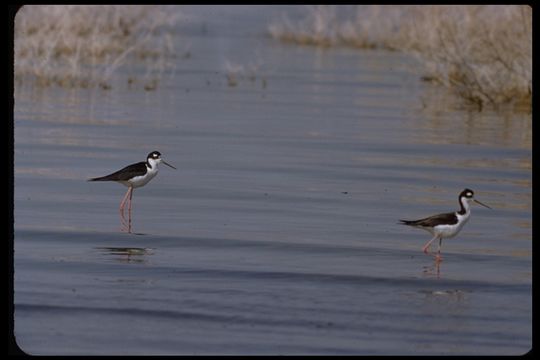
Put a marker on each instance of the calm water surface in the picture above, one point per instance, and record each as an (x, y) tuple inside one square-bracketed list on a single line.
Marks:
[(278, 232)]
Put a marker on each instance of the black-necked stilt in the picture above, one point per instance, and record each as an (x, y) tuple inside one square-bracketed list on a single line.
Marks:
[(446, 225), (134, 176)]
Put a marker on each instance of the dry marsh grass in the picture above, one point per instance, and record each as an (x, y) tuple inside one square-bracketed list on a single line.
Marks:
[(483, 53), (358, 26), (84, 45), (236, 73)]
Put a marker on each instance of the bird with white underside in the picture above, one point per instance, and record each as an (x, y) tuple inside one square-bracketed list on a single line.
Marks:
[(134, 176), (446, 225)]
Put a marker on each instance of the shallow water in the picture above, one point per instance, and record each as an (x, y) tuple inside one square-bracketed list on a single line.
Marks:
[(278, 232)]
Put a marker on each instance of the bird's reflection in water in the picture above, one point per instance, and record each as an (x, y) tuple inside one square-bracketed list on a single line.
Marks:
[(433, 269), (128, 254)]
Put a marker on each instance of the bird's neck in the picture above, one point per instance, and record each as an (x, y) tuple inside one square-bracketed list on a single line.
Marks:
[(151, 164), (465, 207)]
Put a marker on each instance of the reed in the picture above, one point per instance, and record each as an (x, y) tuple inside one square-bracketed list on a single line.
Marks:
[(85, 45), (236, 73), (482, 53), (360, 26)]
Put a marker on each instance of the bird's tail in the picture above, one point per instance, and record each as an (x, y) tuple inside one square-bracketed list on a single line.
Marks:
[(407, 222), (102, 178)]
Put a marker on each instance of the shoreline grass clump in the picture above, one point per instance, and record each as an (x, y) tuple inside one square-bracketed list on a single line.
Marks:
[(482, 53), (84, 45), (359, 26), (234, 73)]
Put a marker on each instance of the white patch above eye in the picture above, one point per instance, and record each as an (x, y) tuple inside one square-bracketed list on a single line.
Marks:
[(468, 194)]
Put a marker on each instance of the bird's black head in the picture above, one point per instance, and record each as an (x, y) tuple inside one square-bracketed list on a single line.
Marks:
[(154, 155), (467, 193), (155, 158)]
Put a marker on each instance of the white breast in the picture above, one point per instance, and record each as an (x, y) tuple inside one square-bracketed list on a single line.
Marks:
[(142, 180), (448, 231)]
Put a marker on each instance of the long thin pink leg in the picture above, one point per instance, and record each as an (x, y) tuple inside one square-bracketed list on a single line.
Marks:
[(129, 209), (426, 247), (122, 217), (438, 257)]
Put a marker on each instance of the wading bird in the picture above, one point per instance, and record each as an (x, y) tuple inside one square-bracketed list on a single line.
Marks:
[(134, 176), (446, 225)]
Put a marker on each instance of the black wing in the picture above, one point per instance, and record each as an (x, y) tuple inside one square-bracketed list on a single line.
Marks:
[(448, 218), (124, 174)]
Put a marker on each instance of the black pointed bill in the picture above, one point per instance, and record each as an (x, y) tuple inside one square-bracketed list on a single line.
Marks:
[(478, 202), (169, 165)]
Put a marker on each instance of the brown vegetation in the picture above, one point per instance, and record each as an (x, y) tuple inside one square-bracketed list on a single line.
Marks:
[(481, 52), (83, 45)]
